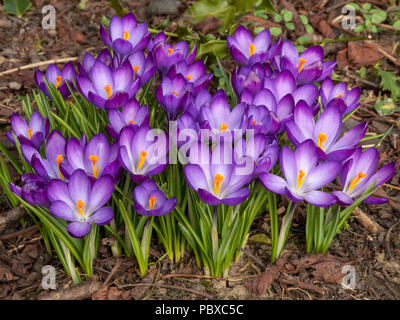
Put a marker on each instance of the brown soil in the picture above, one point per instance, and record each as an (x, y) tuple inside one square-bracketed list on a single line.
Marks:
[(375, 256)]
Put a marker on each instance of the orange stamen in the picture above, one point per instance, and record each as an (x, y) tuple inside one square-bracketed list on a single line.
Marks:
[(321, 140), (340, 95), (152, 202), (95, 170), (254, 122), (170, 50), (189, 77), (302, 62), (58, 81), (300, 178), (356, 180), (142, 159), (252, 49), (218, 182), (59, 160), (108, 90), (136, 68), (224, 127), (132, 121), (30, 133), (126, 35), (176, 93), (80, 205)]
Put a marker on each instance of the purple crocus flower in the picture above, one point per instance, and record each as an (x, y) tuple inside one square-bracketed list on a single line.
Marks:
[(166, 55), (58, 78), (358, 173), (159, 37), (247, 51), (151, 201), (132, 115), (172, 94), (81, 202), (281, 95), (347, 100), (96, 158), (144, 68), (89, 61), (49, 168), (141, 152), (107, 88), (260, 120), (126, 36), (325, 132), (34, 190), (186, 131), (194, 104), (218, 117), (217, 179), (264, 150), (32, 135), (248, 81), (194, 73), (303, 176), (308, 67)]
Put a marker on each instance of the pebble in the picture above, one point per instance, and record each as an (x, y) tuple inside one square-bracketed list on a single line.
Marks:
[(163, 7), (15, 85)]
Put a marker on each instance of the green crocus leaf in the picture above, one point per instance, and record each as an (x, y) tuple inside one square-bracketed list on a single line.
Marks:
[(16, 7)]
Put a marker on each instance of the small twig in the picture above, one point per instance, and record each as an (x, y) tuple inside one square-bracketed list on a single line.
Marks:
[(208, 296), (113, 271), (391, 186), (198, 276), (82, 291), (387, 240), (253, 257), (10, 216), (326, 41), (38, 64), (390, 57), (19, 233)]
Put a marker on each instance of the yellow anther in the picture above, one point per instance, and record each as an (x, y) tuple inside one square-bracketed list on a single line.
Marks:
[(218, 182), (189, 77), (252, 49), (95, 170), (301, 64), (142, 158), (176, 93), (321, 140), (30, 133), (339, 95), (58, 81), (152, 202), (223, 127), (126, 35), (59, 160), (356, 180), (300, 178), (80, 205), (108, 90)]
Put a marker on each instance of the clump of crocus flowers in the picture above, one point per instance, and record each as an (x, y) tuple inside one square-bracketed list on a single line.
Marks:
[(228, 149)]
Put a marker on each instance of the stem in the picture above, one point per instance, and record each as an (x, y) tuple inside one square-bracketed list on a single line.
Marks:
[(310, 223), (286, 222), (214, 234), (273, 218)]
